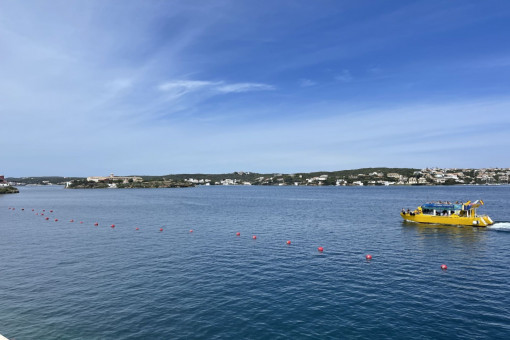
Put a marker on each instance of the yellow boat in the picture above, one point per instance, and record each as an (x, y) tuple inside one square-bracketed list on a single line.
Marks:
[(448, 213)]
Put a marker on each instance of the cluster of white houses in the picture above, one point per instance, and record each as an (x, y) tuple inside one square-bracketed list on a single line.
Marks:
[(458, 176), (434, 176), (226, 181)]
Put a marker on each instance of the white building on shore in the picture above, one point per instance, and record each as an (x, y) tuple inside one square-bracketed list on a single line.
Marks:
[(124, 179), (3, 182)]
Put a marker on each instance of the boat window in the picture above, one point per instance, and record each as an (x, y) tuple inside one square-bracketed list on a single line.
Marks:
[(428, 211)]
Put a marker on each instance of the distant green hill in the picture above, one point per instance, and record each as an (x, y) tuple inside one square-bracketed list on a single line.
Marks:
[(363, 176), (238, 176), (252, 176)]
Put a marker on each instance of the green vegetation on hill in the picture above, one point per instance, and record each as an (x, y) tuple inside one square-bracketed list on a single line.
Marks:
[(253, 176), (84, 184), (364, 176), (239, 176), (275, 178), (8, 190)]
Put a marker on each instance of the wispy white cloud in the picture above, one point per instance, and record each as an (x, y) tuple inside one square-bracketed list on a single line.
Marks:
[(185, 85), (245, 87), (178, 88)]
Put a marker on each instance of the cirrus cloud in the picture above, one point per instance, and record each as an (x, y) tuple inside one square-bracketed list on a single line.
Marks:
[(181, 87), (245, 87)]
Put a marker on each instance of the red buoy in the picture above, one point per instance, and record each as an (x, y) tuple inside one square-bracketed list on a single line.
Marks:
[(43, 210), (238, 234), (113, 226), (368, 257), (23, 209), (320, 249), (81, 222), (32, 209), (51, 210), (191, 230), (288, 242), (71, 221), (37, 213), (444, 267), (42, 214), (160, 229), (254, 237), (96, 224), (47, 218), (137, 228), (56, 220)]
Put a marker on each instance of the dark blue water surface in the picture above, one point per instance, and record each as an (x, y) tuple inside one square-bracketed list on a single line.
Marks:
[(66, 280)]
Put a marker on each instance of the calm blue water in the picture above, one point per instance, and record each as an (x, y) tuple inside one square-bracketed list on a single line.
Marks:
[(63, 280)]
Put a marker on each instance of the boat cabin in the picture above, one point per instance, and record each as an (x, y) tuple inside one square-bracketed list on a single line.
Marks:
[(467, 209)]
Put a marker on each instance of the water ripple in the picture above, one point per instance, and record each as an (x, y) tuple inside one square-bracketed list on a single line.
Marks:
[(68, 280)]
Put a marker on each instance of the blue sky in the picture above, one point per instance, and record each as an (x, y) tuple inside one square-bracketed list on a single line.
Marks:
[(160, 87)]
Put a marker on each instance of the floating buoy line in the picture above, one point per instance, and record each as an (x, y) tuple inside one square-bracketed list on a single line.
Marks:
[(320, 249)]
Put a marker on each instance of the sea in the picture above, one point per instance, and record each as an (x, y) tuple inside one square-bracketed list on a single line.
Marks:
[(168, 264)]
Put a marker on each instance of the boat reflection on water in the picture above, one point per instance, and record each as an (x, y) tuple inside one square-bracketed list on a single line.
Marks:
[(467, 235)]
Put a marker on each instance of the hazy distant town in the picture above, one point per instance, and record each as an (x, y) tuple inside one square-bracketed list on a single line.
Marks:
[(357, 177)]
